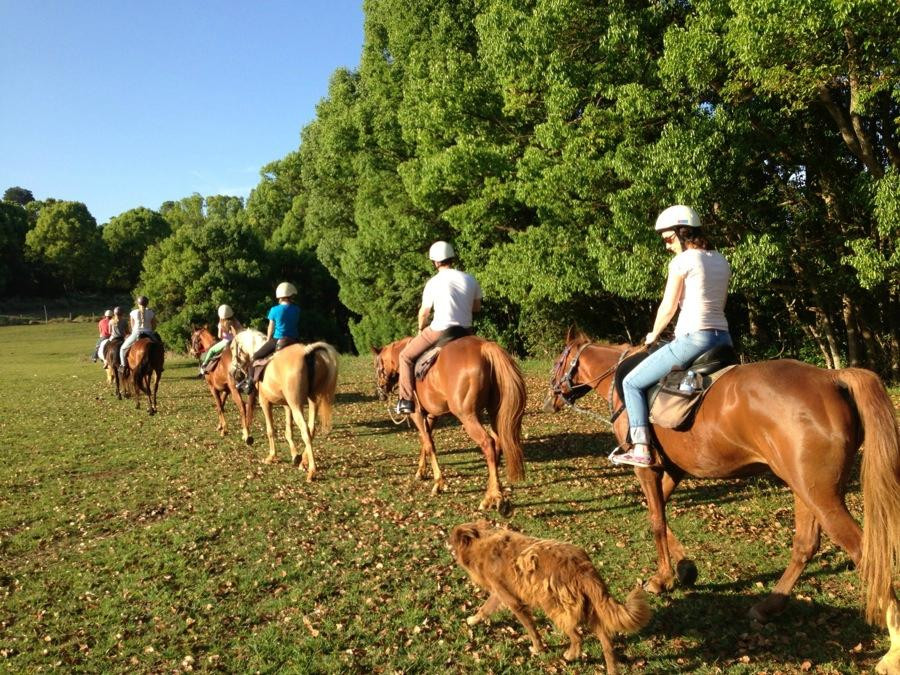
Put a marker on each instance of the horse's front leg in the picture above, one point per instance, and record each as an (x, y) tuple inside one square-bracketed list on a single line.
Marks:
[(425, 425), (685, 569), (219, 400), (493, 497), (651, 484), (247, 418)]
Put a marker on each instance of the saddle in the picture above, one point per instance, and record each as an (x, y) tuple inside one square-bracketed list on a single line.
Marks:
[(429, 356), (671, 406), (258, 367)]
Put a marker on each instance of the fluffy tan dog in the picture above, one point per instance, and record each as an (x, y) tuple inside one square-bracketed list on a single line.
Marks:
[(522, 573)]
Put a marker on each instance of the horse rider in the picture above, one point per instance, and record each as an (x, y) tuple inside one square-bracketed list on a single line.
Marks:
[(227, 329), (283, 330), (103, 328), (118, 330), (454, 296), (141, 321), (697, 282)]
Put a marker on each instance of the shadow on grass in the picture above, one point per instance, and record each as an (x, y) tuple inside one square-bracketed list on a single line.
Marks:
[(355, 397), (804, 631)]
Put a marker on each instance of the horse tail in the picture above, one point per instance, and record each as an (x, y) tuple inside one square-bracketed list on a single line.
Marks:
[(510, 389), (323, 384), (880, 487)]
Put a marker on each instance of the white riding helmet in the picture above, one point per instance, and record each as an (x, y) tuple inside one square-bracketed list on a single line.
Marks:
[(107, 312), (675, 216), (285, 290), (440, 251), (225, 312)]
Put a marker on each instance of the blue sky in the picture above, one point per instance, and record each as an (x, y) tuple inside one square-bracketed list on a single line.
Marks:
[(128, 103)]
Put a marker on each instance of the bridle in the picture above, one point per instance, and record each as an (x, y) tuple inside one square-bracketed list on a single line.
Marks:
[(197, 348), (569, 391)]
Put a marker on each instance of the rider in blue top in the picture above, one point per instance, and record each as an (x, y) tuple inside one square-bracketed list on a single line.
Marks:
[(284, 322)]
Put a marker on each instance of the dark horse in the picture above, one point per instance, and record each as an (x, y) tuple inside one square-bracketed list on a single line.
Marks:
[(470, 375), (145, 358), (111, 355), (219, 379), (802, 423)]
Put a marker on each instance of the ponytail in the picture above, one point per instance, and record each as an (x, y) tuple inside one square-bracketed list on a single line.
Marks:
[(141, 310)]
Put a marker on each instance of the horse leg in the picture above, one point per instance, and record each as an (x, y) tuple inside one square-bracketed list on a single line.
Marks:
[(651, 484), (428, 446), (493, 497), (247, 418), (289, 435), (807, 535), (155, 390), (219, 400), (310, 463), (270, 430), (685, 569), (426, 443)]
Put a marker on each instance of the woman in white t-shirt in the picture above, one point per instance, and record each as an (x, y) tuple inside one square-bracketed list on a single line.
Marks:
[(142, 321), (698, 283)]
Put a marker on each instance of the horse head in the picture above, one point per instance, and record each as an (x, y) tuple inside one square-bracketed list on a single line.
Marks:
[(564, 388), (195, 344), (387, 372)]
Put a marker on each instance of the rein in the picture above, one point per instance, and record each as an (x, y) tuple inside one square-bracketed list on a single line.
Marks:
[(570, 392)]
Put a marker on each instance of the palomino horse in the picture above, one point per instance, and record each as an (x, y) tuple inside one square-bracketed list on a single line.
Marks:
[(802, 423), (111, 356), (470, 375), (297, 375), (219, 379), (145, 358)]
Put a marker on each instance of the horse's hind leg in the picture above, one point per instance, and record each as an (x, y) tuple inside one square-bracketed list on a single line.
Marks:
[(297, 410), (807, 535), (155, 390), (270, 430), (493, 497), (289, 435)]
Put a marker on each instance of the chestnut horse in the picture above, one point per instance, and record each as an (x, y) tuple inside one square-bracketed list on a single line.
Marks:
[(145, 358), (471, 374), (287, 381), (802, 423), (219, 379)]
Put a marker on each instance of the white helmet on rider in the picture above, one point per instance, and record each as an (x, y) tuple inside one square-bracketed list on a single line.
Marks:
[(285, 290), (225, 312), (677, 216), (441, 251), (107, 313)]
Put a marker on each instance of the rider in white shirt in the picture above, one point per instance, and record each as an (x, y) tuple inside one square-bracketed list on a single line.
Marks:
[(143, 322), (454, 296)]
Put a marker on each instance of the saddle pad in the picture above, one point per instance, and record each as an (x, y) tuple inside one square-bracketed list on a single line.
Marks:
[(424, 362), (673, 409)]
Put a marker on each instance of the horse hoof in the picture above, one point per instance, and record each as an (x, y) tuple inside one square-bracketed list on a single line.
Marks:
[(889, 664), (505, 508), (270, 460), (249, 440), (309, 476), (765, 610), (295, 460), (657, 586), (687, 572)]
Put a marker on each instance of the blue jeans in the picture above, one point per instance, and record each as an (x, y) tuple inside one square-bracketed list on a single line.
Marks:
[(680, 352)]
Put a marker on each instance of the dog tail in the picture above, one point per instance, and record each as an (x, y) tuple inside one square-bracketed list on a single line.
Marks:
[(615, 617)]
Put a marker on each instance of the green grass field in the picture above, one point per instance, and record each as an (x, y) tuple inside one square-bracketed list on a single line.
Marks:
[(149, 544)]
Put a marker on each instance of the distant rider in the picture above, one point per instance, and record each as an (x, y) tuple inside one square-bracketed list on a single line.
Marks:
[(698, 283), (103, 328), (142, 321), (227, 329), (454, 296), (118, 330)]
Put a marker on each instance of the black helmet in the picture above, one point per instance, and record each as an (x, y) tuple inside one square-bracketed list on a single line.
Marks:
[(117, 310), (142, 300)]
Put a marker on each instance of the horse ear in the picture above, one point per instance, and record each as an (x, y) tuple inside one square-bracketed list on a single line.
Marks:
[(572, 333)]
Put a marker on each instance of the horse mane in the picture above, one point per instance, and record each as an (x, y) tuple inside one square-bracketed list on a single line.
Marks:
[(244, 344), (576, 337)]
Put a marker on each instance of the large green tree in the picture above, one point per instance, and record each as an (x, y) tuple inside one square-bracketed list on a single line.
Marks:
[(67, 240), (13, 226), (18, 195), (128, 236)]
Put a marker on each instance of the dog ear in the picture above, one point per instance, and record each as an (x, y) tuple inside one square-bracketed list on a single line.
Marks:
[(376, 350), (463, 535)]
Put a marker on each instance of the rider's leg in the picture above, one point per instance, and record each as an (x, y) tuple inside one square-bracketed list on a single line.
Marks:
[(126, 345), (413, 349)]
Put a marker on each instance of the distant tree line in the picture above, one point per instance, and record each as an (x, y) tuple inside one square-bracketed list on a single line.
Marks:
[(542, 137)]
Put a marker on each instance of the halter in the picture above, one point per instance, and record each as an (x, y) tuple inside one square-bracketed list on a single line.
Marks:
[(569, 391)]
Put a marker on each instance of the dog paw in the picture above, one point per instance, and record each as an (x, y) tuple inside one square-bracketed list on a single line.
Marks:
[(474, 619)]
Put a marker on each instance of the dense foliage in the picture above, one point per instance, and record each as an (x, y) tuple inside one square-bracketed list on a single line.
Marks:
[(542, 137)]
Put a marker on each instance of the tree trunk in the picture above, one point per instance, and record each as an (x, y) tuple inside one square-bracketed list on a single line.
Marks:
[(853, 350), (809, 331)]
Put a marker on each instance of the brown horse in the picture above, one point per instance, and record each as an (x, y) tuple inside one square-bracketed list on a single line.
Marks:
[(219, 379), (111, 355), (145, 358), (802, 423), (469, 376), (297, 375)]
